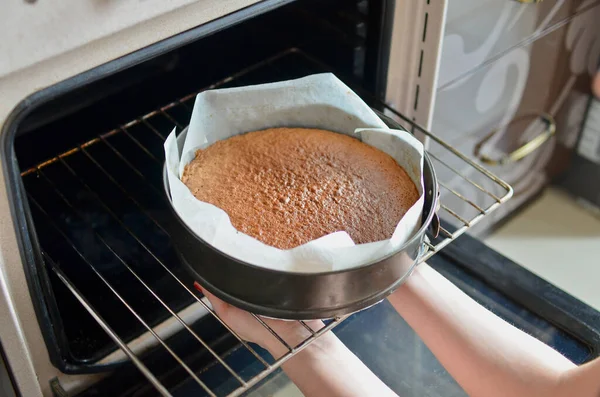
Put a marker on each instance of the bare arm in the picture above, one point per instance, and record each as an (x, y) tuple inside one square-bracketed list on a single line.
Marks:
[(486, 355), (328, 368), (325, 368)]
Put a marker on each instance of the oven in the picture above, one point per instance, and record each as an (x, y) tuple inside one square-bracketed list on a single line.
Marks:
[(94, 300)]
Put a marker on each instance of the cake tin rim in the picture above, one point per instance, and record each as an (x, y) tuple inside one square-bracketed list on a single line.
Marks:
[(417, 235)]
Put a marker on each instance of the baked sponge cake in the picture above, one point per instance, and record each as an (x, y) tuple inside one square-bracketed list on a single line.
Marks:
[(288, 186)]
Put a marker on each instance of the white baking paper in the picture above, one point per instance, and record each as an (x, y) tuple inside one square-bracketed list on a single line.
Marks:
[(317, 101)]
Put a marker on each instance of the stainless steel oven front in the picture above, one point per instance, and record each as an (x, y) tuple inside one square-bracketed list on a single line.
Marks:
[(89, 279)]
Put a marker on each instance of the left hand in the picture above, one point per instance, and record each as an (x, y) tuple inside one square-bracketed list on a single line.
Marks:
[(249, 329)]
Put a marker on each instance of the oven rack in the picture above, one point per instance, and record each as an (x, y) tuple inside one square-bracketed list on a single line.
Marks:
[(443, 156)]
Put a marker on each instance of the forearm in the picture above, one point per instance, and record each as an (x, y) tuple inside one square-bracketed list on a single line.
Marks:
[(487, 356), (328, 368)]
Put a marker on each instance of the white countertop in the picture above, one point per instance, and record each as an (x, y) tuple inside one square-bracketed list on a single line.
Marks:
[(558, 240)]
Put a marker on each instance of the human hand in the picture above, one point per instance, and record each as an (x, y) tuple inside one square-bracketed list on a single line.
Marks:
[(251, 330)]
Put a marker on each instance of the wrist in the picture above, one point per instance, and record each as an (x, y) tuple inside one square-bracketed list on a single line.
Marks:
[(409, 292), (410, 280), (318, 346)]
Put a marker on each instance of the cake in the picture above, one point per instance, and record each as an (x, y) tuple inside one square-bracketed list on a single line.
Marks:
[(288, 186)]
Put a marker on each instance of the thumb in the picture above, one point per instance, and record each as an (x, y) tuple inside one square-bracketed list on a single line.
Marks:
[(218, 305)]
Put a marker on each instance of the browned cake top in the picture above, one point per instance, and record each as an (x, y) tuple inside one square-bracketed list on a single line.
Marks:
[(288, 186)]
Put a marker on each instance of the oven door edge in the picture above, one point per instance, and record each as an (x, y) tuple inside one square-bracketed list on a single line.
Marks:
[(414, 61)]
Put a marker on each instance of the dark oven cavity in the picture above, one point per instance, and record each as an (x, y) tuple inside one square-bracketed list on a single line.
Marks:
[(90, 160)]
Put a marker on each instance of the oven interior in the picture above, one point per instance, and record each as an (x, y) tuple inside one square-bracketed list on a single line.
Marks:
[(91, 167), (86, 166)]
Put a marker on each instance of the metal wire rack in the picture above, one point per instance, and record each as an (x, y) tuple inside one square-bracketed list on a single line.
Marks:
[(480, 195)]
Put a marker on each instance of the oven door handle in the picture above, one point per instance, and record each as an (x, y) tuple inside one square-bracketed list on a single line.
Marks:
[(523, 151)]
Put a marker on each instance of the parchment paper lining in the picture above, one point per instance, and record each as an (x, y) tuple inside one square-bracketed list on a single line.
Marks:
[(317, 101)]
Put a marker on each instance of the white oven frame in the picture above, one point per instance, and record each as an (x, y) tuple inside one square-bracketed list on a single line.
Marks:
[(415, 55), (20, 335)]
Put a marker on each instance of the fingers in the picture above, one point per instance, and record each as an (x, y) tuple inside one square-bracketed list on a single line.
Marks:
[(596, 85), (216, 303), (198, 287)]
